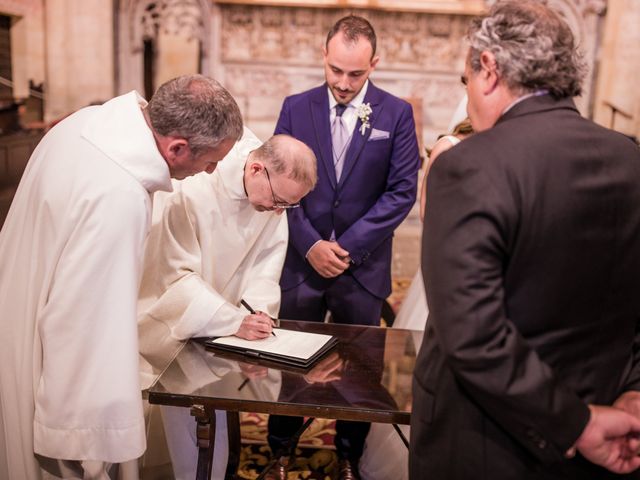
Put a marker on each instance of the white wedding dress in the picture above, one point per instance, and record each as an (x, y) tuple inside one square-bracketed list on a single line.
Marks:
[(414, 311)]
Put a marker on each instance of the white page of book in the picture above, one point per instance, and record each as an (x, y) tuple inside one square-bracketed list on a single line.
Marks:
[(286, 342)]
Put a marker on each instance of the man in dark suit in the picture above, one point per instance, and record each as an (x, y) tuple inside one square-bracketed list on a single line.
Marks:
[(339, 256), (531, 261)]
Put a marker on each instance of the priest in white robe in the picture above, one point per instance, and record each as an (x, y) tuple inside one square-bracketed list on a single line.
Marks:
[(71, 251), (220, 239)]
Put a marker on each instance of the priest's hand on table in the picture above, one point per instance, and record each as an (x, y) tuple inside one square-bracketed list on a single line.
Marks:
[(327, 370), (251, 371), (255, 326)]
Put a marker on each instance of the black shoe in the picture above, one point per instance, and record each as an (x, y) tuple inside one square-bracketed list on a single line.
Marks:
[(277, 469), (346, 470)]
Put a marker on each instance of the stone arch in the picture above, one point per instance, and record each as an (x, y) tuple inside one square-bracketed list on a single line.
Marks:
[(140, 20)]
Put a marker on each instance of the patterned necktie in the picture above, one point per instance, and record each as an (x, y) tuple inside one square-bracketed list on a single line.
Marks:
[(339, 140)]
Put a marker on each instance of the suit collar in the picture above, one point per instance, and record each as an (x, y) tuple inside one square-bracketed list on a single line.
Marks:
[(359, 139), (319, 97), (538, 104), (374, 95), (320, 119)]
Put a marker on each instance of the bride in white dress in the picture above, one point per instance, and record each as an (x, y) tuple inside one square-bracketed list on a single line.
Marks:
[(385, 456), (414, 311)]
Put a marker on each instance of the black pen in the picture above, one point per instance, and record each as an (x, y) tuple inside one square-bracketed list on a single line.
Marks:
[(246, 380), (252, 311)]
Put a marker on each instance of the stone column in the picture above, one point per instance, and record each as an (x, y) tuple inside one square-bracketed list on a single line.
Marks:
[(27, 43), (617, 86), (79, 54)]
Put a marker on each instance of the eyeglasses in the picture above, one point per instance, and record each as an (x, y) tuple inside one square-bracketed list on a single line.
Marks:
[(276, 204)]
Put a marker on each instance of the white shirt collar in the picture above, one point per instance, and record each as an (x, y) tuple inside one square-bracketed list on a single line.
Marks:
[(231, 168), (537, 93)]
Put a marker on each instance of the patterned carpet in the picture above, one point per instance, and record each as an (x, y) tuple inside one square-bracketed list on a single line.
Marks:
[(310, 464), (315, 456)]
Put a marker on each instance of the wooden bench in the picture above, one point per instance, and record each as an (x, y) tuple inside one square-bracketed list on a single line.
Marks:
[(15, 150)]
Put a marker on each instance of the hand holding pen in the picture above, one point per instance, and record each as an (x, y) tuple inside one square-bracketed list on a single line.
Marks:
[(251, 372), (256, 325)]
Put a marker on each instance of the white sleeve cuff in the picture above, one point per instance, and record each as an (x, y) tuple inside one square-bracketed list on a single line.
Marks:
[(311, 247), (225, 320)]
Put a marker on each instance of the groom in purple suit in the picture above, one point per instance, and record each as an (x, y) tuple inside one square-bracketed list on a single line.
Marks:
[(339, 256)]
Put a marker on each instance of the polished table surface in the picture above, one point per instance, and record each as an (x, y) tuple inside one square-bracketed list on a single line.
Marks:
[(366, 377)]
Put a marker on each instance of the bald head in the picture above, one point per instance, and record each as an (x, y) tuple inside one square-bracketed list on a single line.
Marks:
[(289, 157)]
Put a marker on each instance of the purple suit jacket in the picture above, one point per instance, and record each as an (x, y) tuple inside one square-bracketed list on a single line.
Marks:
[(376, 190)]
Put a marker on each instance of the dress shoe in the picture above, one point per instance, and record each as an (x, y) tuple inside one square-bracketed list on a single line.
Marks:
[(277, 469), (346, 471)]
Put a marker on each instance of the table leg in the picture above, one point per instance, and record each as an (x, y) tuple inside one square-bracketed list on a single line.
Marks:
[(206, 436), (296, 436), (233, 434), (402, 437)]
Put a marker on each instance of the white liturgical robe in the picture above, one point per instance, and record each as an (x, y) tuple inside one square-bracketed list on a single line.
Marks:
[(208, 250), (71, 252)]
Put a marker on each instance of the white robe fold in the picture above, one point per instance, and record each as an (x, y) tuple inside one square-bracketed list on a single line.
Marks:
[(208, 250), (70, 254)]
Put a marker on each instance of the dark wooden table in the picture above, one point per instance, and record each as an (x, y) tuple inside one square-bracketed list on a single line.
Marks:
[(365, 377)]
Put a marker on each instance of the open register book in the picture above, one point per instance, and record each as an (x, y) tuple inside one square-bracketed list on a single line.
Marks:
[(290, 347)]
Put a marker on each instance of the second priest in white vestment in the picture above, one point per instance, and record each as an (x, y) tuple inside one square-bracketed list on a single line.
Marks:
[(218, 239)]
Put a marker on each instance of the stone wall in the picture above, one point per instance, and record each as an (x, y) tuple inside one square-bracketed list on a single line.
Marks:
[(66, 45), (27, 42), (267, 53), (619, 56), (79, 55), (89, 50)]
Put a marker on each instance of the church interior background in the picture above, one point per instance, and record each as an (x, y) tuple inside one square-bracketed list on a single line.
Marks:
[(60, 55)]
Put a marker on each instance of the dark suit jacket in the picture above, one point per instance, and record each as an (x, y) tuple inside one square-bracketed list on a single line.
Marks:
[(531, 261), (376, 191)]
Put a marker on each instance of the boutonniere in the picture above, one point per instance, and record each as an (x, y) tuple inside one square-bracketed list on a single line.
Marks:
[(363, 112)]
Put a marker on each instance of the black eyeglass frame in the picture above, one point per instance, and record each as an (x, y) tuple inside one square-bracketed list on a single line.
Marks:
[(276, 204)]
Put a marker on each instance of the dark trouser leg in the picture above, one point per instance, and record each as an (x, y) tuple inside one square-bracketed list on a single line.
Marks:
[(281, 428), (350, 303), (304, 302), (350, 438)]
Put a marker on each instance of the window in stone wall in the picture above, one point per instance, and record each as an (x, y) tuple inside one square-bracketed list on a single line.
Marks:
[(6, 77), (172, 42)]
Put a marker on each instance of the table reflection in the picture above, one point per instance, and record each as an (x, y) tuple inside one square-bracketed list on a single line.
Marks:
[(367, 377)]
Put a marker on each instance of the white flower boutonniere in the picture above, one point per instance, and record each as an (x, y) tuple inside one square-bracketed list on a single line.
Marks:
[(364, 110)]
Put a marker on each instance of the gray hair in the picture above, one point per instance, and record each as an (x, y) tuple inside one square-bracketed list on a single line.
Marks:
[(290, 157), (196, 108), (533, 46)]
